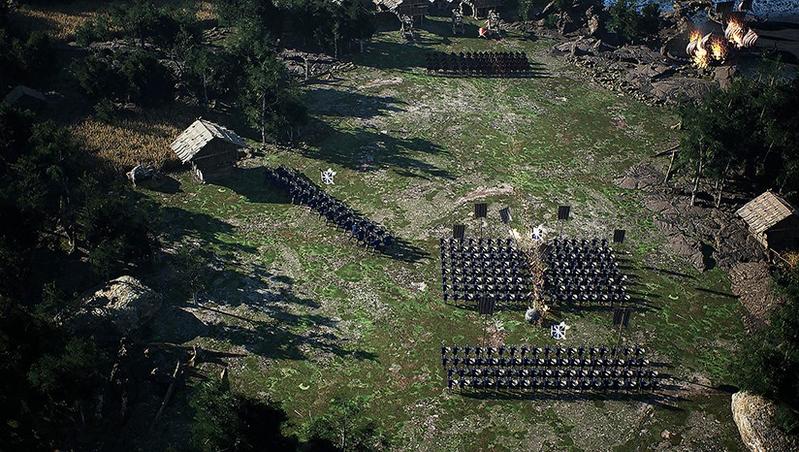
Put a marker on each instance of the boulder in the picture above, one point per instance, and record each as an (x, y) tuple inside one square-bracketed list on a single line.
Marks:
[(124, 304), (754, 416), (724, 75)]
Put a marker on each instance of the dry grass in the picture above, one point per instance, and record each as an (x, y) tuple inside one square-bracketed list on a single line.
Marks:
[(58, 21), (62, 21), (792, 258), (142, 139)]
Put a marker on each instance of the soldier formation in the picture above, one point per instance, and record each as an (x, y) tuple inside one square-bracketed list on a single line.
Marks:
[(523, 368), (583, 272), (494, 268), (502, 64), (303, 191)]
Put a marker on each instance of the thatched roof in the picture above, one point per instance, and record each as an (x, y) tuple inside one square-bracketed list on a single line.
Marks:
[(21, 91), (765, 211), (200, 133)]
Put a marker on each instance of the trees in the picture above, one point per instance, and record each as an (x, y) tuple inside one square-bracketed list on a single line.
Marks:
[(631, 24), (268, 95), (50, 207), (125, 76), (748, 130)]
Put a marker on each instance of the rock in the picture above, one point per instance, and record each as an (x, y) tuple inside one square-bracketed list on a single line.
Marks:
[(724, 75), (593, 25), (754, 416), (124, 303), (140, 172)]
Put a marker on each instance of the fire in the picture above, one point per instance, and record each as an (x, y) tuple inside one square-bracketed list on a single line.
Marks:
[(697, 49), (718, 49), (739, 34)]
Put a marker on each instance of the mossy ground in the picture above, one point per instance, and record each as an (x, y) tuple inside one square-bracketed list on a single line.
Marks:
[(317, 317), (326, 319)]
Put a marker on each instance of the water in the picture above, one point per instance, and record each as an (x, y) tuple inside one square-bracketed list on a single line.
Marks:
[(765, 9)]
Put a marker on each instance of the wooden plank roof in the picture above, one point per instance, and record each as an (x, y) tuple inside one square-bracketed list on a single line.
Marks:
[(765, 211), (200, 133), (20, 91)]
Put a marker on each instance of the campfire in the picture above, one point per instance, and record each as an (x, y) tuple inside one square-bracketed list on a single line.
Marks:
[(738, 34)]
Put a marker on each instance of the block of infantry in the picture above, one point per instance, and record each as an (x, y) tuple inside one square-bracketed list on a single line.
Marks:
[(524, 368), (473, 268), (583, 272), (507, 64), (303, 191)]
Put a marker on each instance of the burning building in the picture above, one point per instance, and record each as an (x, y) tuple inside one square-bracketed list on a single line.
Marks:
[(738, 34)]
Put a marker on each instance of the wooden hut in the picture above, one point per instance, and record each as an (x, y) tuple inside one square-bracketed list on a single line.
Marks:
[(210, 148), (410, 8), (772, 221), (25, 98)]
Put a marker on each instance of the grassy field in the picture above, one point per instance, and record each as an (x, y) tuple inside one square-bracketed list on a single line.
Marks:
[(317, 318)]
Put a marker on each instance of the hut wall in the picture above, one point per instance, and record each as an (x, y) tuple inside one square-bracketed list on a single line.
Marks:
[(216, 154), (784, 235)]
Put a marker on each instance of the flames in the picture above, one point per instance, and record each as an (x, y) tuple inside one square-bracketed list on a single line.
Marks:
[(706, 49), (738, 34), (718, 49), (698, 49)]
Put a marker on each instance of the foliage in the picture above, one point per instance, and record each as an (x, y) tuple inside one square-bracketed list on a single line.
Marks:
[(145, 22), (214, 425), (632, 24), (346, 426), (775, 348), (51, 207), (268, 95), (93, 30), (25, 59), (126, 76), (749, 130)]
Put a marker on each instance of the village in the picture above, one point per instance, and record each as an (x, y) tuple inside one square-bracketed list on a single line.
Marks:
[(399, 225)]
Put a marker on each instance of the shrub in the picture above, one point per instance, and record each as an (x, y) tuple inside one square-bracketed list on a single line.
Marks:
[(775, 348), (631, 24)]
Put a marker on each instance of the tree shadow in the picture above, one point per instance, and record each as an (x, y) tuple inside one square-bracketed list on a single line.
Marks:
[(346, 103), (716, 292), (182, 223), (249, 306), (369, 150), (669, 272), (251, 183)]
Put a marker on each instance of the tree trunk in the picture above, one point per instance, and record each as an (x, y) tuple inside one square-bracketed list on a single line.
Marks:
[(696, 182), (671, 166), (263, 119), (205, 90), (720, 184)]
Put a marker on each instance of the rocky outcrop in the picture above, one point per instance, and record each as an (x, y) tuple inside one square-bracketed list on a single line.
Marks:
[(703, 235), (754, 416), (123, 305), (639, 71)]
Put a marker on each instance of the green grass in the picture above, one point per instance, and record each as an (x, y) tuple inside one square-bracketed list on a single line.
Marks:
[(406, 147)]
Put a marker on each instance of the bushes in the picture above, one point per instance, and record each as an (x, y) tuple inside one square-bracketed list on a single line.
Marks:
[(632, 25), (125, 76), (768, 361), (25, 59)]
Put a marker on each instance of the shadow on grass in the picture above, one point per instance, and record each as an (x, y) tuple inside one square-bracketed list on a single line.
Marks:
[(251, 183), (370, 150), (665, 401), (329, 101)]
